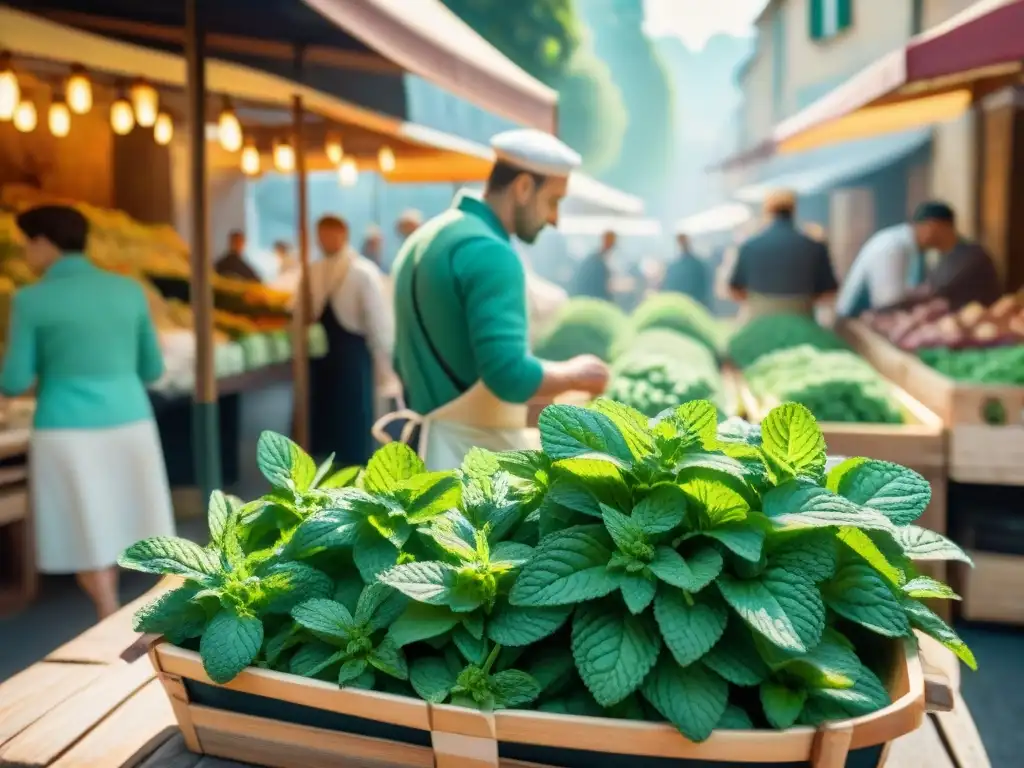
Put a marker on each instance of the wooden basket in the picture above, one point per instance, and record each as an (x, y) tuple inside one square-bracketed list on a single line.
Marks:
[(283, 721), (919, 443), (978, 451)]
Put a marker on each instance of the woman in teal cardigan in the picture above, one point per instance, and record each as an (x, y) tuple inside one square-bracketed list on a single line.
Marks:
[(85, 339)]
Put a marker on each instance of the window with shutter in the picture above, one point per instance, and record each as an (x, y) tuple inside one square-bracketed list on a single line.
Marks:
[(816, 19), (827, 18)]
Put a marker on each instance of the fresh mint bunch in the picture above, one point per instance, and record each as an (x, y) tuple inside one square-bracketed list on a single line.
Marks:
[(712, 574), (227, 593)]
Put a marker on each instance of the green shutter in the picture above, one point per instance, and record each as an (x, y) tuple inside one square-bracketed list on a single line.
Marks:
[(816, 18), (844, 14)]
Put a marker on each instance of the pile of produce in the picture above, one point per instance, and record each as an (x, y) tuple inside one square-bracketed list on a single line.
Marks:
[(834, 385), (674, 312), (711, 577), (772, 333), (990, 365), (583, 326), (663, 369), (931, 325)]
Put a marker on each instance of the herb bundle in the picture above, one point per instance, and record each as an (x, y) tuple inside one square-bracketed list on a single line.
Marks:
[(711, 575)]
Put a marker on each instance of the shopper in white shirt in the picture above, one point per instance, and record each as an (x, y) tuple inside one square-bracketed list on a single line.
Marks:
[(348, 300), (889, 264)]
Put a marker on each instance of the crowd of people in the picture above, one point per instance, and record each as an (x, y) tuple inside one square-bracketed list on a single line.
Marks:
[(435, 349)]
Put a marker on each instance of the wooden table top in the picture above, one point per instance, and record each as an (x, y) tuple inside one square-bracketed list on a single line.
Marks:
[(84, 706)]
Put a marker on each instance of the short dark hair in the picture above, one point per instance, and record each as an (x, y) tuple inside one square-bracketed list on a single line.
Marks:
[(331, 221), (63, 226), (935, 210), (235, 233), (503, 174)]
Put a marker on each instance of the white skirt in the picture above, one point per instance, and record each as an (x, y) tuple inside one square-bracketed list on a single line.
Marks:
[(96, 492)]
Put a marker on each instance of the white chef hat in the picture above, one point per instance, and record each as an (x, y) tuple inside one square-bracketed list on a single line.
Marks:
[(412, 216), (535, 151)]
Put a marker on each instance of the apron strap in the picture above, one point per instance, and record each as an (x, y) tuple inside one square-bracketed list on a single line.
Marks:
[(412, 420)]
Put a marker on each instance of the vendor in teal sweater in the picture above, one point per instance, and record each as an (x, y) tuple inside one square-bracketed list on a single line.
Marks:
[(460, 287)]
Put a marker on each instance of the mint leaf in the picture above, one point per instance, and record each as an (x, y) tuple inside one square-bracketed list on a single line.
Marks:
[(598, 479), (859, 594), (782, 705), (425, 582), (865, 696), (865, 547), (329, 529), (924, 544), (693, 699), (283, 463), (311, 659), (613, 650), (515, 626), (660, 511), (735, 719), (372, 554), (637, 591), (811, 553), (782, 605), (343, 478), (692, 573), (698, 419), (792, 441), (390, 466), (624, 531), (899, 493), (798, 505), (840, 470), (166, 555), (427, 495), (831, 664), (717, 503), (420, 621), (473, 649), (552, 668), (745, 541), (568, 431), (735, 657), (217, 514), (631, 424), (925, 587), (922, 618), (513, 688), (689, 628), (328, 620), (229, 645), (432, 679), (285, 585), (350, 672), (174, 614), (567, 568)]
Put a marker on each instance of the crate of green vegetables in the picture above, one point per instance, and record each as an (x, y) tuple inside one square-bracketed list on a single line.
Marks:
[(631, 595), (978, 393)]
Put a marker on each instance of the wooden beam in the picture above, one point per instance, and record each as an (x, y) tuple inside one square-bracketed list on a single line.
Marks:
[(320, 55), (302, 321)]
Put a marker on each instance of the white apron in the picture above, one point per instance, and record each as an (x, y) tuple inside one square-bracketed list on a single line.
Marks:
[(477, 418)]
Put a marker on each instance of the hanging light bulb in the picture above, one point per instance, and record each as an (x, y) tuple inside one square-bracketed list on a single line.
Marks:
[(163, 129), (251, 160), (59, 118), (122, 118), (146, 103), (348, 172), (229, 130), (284, 156), (334, 149), (10, 91), (78, 90), (25, 117), (386, 159)]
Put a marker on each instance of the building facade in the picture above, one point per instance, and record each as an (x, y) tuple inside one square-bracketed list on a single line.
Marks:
[(806, 48)]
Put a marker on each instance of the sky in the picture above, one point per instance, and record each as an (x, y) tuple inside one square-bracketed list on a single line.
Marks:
[(695, 21)]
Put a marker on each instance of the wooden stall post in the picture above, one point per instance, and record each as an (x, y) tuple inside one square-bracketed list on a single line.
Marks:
[(205, 418), (300, 326)]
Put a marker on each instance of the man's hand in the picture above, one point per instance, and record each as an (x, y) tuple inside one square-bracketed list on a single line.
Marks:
[(588, 373)]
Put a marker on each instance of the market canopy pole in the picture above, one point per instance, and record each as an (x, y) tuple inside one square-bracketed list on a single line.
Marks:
[(303, 307), (205, 418)]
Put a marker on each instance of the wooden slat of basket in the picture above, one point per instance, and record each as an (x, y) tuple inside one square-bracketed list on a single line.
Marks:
[(128, 735), (33, 692), (50, 736)]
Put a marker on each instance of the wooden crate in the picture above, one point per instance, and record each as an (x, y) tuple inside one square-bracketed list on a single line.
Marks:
[(978, 451), (993, 589), (919, 443), (274, 719)]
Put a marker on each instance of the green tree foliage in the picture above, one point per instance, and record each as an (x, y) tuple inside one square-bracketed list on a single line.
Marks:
[(545, 38), (592, 113)]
